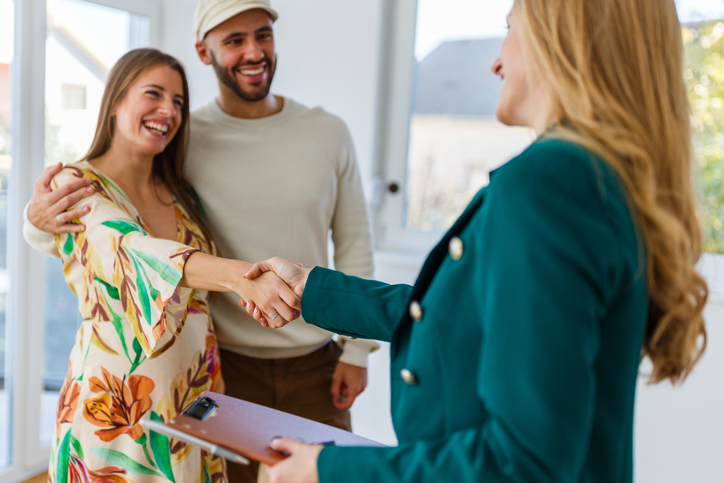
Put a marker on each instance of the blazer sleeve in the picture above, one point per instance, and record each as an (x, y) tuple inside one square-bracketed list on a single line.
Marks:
[(546, 249), (353, 306)]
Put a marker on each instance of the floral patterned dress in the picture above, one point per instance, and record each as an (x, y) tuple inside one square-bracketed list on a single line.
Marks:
[(145, 349)]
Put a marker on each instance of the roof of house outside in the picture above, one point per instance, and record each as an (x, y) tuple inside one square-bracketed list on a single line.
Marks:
[(455, 79)]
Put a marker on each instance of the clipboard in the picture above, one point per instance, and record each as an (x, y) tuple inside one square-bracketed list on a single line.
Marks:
[(245, 429)]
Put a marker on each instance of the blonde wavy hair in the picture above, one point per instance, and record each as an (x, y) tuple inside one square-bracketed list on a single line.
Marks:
[(615, 71)]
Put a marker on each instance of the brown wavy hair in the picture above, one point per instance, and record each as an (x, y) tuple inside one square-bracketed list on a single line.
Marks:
[(168, 164), (615, 71)]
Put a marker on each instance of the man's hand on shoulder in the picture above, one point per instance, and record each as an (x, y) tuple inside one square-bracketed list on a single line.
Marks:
[(47, 209), (348, 382)]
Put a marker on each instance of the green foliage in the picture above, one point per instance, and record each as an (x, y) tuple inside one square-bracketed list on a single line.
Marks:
[(704, 73)]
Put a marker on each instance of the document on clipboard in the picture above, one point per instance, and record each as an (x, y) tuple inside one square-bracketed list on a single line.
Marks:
[(238, 430)]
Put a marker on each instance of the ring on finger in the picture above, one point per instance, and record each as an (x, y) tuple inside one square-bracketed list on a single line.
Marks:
[(57, 218), (276, 314)]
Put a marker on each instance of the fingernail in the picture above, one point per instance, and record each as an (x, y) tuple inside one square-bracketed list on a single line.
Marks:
[(273, 442), (89, 190), (248, 304), (86, 209), (256, 310)]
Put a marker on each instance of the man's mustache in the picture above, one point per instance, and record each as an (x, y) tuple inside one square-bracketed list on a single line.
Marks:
[(252, 64)]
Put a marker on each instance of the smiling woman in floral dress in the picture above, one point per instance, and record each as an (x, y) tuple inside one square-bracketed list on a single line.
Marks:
[(146, 347)]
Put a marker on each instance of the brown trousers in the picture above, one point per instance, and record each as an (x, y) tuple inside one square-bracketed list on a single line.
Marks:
[(299, 385)]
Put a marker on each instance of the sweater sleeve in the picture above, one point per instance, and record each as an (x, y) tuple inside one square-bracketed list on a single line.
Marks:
[(355, 351), (547, 254), (38, 239), (350, 223), (351, 237)]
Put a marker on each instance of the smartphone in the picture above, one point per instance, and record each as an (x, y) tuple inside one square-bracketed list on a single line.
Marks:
[(201, 409)]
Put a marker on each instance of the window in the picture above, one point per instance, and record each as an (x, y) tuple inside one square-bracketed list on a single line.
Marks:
[(54, 55), (441, 137), (444, 137), (72, 96), (702, 31), (84, 41)]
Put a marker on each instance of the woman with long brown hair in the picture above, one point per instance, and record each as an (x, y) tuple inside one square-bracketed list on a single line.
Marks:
[(515, 354), (146, 347)]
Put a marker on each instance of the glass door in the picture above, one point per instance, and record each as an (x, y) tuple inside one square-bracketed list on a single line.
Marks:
[(7, 45), (84, 40)]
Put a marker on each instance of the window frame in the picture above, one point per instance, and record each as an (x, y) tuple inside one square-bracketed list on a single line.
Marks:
[(25, 323), (390, 234)]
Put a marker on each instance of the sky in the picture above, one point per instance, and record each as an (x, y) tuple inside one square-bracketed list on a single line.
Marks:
[(693, 10), (91, 23), (437, 21), (441, 20), (102, 30)]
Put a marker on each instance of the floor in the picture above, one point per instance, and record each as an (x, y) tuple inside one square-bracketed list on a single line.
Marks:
[(38, 479)]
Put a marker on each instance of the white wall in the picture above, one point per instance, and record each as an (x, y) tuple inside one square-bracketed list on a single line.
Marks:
[(329, 53), (679, 435)]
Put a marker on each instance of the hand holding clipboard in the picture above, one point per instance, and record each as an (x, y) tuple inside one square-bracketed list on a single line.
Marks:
[(233, 428)]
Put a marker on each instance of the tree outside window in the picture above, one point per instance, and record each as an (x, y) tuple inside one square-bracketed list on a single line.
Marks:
[(704, 73)]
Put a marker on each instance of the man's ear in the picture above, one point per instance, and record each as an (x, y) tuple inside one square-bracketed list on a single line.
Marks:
[(203, 51)]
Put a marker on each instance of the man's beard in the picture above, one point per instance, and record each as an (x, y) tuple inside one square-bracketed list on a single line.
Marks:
[(228, 78)]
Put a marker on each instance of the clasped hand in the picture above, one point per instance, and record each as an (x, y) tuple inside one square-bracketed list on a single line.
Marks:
[(292, 274)]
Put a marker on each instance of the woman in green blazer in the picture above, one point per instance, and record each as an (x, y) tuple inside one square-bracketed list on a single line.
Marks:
[(514, 356)]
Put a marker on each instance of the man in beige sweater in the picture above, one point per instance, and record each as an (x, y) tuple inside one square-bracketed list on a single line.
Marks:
[(275, 178)]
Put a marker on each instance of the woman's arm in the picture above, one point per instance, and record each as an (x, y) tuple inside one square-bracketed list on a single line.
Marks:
[(140, 271), (271, 295)]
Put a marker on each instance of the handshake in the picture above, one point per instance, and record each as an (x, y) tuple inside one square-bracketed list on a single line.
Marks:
[(274, 293)]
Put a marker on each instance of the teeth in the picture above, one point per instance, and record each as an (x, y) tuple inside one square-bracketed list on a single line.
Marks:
[(160, 128), (253, 72)]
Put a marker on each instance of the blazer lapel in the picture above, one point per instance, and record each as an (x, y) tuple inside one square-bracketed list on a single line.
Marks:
[(429, 269), (437, 255)]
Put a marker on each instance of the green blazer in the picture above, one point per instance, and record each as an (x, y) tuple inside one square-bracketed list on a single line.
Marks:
[(514, 356)]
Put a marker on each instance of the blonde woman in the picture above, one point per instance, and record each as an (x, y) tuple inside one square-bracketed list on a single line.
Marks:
[(515, 354)]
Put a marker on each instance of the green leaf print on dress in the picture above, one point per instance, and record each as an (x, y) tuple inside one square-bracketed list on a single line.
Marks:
[(161, 452)]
